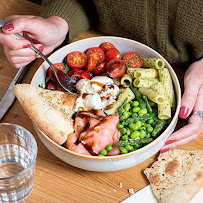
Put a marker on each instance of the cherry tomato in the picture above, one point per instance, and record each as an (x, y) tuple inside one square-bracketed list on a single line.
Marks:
[(81, 74), (70, 73), (97, 53), (91, 64), (59, 88), (133, 59), (51, 85), (116, 68), (113, 53), (106, 45), (51, 74), (100, 68), (77, 59)]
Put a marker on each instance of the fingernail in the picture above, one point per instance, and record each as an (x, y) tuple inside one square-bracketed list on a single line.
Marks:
[(41, 48), (183, 112), (164, 150), (26, 45), (170, 141), (8, 27)]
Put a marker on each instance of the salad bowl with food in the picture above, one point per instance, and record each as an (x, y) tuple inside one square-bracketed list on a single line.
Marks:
[(126, 106)]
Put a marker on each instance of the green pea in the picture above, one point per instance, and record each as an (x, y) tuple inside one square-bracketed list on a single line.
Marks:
[(109, 147), (135, 104), (127, 114), (122, 118), (142, 111), (129, 147), (132, 150), (100, 155), (136, 109), (150, 121), (149, 129), (142, 134), (147, 125), (147, 135), (137, 146), (135, 134), (138, 123), (124, 137), (127, 107), (123, 150), (134, 114), (142, 123), (80, 109), (119, 126), (123, 130), (133, 126), (103, 152)]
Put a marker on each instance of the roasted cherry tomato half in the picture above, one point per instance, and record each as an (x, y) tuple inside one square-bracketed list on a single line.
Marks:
[(51, 74), (51, 85), (59, 88), (70, 73), (97, 53), (106, 45), (113, 53), (133, 60), (116, 68), (91, 64), (77, 59), (80, 74), (100, 68)]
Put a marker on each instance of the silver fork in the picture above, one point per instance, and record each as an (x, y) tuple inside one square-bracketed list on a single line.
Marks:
[(64, 79)]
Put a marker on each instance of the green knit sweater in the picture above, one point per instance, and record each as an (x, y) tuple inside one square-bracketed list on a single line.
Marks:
[(174, 28)]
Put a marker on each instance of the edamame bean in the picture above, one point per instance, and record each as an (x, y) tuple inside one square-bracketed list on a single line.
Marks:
[(127, 107), (147, 135), (123, 150), (135, 135), (149, 129), (122, 118), (127, 114), (123, 130), (150, 121), (133, 126), (128, 131), (142, 112), (136, 109), (124, 137), (139, 124), (142, 134), (137, 146), (135, 104), (134, 114), (129, 147), (119, 126)]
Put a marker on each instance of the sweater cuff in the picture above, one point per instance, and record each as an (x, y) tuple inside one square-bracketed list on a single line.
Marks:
[(71, 11)]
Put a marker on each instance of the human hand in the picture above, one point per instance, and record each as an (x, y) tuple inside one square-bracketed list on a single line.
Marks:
[(192, 101), (45, 34)]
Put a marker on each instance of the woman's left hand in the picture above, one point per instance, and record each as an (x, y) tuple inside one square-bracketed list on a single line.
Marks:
[(192, 102)]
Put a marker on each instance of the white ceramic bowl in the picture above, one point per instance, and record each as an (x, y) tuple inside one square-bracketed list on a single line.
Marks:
[(111, 163)]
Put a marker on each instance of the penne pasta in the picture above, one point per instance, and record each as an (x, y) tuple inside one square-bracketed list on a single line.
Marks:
[(156, 63), (146, 73), (131, 71), (125, 93), (164, 110), (126, 80), (145, 82), (165, 78)]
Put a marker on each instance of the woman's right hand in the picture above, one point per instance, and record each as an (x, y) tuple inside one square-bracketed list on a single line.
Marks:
[(45, 34)]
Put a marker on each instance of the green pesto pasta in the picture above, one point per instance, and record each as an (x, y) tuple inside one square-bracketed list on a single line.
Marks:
[(165, 78), (131, 71), (126, 80), (146, 73), (125, 93), (156, 63), (145, 82)]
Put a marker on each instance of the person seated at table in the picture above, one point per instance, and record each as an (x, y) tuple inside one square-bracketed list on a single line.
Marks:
[(171, 27)]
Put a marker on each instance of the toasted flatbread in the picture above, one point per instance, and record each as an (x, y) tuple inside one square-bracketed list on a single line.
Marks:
[(51, 111), (177, 176)]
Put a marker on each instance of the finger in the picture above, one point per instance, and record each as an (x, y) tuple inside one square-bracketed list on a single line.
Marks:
[(199, 104), (13, 17), (20, 65), (13, 43), (192, 83)]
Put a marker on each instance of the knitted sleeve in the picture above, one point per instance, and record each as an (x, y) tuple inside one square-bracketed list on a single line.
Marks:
[(73, 11)]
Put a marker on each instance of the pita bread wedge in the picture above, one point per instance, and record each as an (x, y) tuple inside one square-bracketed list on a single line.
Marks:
[(177, 176), (50, 110)]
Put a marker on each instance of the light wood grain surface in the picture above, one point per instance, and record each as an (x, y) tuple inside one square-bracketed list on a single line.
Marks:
[(56, 181)]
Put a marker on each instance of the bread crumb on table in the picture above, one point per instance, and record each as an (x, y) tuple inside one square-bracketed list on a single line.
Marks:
[(121, 185), (131, 191)]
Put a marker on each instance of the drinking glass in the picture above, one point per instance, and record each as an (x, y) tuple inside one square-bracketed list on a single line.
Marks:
[(18, 152)]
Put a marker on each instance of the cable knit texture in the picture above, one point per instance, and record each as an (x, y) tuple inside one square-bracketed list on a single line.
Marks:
[(174, 28)]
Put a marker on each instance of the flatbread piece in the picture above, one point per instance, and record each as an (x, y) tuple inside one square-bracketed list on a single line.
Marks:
[(177, 176), (49, 110)]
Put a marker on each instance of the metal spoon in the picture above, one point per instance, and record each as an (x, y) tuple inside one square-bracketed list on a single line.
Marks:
[(64, 79)]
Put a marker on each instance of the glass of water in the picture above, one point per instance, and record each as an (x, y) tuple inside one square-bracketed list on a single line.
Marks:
[(18, 152)]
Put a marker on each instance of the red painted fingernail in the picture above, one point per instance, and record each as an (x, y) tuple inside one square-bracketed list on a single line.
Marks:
[(41, 48), (170, 141), (26, 45), (164, 150), (8, 27), (183, 112)]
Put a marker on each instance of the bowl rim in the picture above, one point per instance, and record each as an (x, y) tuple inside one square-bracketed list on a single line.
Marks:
[(123, 156)]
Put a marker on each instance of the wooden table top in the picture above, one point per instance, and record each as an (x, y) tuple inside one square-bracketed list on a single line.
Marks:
[(56, 181)]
